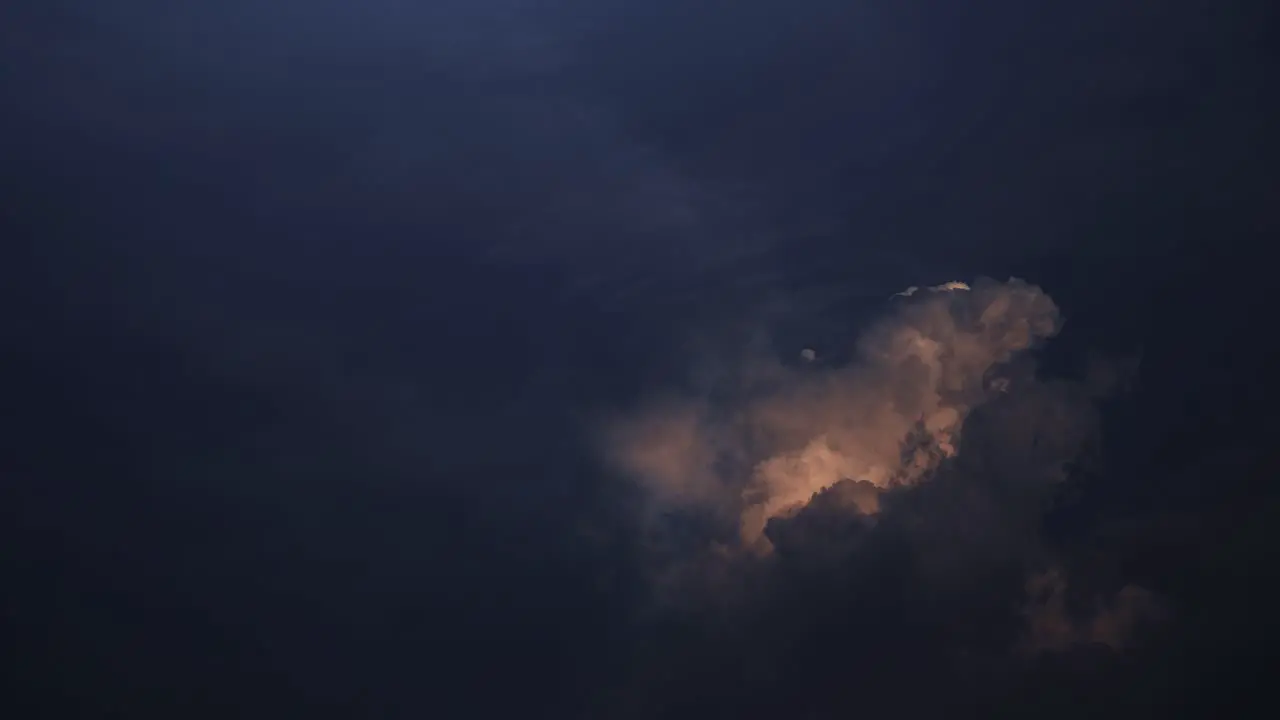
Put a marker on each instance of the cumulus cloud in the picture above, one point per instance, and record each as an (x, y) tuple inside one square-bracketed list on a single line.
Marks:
[(883, 508), (766, 447)]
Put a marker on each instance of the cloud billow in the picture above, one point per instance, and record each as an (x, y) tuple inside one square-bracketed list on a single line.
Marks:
[(890, 507), (886, 420)]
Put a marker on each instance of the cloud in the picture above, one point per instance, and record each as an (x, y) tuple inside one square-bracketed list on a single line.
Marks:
[(856, 523), (1053, 625), (766, 446)]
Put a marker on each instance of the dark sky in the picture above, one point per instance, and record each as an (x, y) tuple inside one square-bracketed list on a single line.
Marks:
[(315, 314)]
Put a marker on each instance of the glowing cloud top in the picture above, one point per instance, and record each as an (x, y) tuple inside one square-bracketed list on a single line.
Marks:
[(886, 419)]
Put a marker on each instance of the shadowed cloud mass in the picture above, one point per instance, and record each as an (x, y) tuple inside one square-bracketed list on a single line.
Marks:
[(893, 505)]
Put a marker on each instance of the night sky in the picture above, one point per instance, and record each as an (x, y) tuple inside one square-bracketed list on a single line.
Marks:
[(487, 358)]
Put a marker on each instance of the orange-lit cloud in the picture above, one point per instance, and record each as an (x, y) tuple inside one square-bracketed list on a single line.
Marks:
[(885, 420)]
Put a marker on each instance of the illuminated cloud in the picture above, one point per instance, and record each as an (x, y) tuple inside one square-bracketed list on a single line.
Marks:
[(886, 509), (887, 419)]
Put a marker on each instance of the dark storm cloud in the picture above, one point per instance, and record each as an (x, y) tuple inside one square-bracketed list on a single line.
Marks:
[(1111, 622), (893, 506), (292, 193)]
